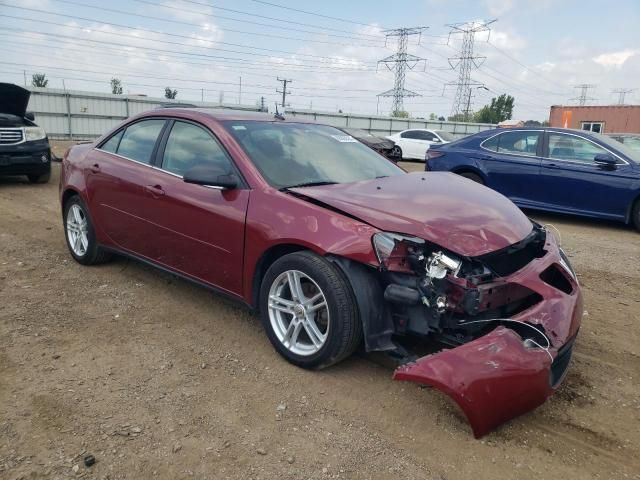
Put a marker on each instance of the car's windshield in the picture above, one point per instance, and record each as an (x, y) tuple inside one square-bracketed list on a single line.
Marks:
[(633, 155), (290, 154), (446, 136)]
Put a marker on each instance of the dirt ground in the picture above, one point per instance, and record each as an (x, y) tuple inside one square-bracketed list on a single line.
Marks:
[(159, 378)]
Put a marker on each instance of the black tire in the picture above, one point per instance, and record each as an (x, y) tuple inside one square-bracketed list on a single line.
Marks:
[(473, 177), (344, 330), (94, 254), (635, 215), (44, 178)]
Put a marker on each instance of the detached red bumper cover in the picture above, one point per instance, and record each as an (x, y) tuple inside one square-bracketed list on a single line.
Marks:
[(496, 377)]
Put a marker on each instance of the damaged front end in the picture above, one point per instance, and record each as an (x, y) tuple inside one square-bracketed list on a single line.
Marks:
[(505, 321)]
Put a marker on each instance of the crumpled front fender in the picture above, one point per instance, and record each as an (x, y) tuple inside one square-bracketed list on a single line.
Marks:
[(493, 378)]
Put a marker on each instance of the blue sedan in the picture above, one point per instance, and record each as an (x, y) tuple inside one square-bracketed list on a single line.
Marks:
[(552, 169)]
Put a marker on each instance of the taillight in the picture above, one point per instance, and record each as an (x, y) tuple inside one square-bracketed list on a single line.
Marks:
[(434, 154)]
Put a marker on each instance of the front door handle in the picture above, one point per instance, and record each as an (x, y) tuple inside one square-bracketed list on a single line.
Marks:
[(95, 168), (154, 190)]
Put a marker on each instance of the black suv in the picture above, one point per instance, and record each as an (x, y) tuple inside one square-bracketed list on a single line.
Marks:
[(24, 147)]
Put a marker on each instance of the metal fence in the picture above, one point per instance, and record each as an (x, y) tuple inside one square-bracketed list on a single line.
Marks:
[(70, 114), (383, 126)]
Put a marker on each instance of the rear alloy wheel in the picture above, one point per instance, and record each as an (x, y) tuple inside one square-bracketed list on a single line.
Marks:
[(635, 215), (308, 311), (396, 152), (80, 235), (472, 176)]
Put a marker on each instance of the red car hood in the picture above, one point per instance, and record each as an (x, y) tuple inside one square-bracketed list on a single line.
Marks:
[(446, 209)]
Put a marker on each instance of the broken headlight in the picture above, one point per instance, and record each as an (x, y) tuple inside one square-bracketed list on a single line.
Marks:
[(392, 249)]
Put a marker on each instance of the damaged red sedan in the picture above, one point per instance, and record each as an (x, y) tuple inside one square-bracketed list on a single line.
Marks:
[(336, 247)]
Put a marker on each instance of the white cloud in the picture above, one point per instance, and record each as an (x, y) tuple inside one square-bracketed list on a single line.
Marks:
[(615, 59), (498, 7)]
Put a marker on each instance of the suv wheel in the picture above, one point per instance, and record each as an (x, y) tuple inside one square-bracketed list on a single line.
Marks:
[(44, 178), (308, 311), (80, 235)]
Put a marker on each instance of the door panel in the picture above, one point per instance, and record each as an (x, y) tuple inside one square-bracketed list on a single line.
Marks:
[(512, 165), (199, 230), (115, 185), (573, 182)]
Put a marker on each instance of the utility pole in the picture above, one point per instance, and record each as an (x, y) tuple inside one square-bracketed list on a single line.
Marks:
[(464, 62), (584, 89), (262, 105), (622, 93), (284, 91), (202, 94), (398, 63), (24, 72), (240, 92)]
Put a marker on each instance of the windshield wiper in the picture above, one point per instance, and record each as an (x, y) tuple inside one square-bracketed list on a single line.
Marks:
[(309, 184)]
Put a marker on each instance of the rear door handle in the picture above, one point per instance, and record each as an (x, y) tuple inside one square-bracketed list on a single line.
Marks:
[(95, 168), (154, 190)]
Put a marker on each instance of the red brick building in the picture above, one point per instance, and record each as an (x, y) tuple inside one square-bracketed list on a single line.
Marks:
[(602, 119)]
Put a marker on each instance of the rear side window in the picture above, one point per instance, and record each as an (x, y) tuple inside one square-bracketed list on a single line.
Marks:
[(111, 145), (491, 143), (413, 134), (190, 146), (139, 139)]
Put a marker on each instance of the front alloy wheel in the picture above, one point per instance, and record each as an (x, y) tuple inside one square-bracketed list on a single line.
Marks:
[(298, 313), (308, 310)]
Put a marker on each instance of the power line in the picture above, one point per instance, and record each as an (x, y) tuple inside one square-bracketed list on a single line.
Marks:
[(188, 37), (163, 51), (309, 13), (276, 19), (218, 17), (464, 63), (584, 89), (400, 62)]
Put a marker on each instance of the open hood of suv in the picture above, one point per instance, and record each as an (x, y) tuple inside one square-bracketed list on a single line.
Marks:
[(446, 209), (14, 99)]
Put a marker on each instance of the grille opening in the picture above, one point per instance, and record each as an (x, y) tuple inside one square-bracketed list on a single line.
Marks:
[(511, 259), (10, 136), (554, 276)]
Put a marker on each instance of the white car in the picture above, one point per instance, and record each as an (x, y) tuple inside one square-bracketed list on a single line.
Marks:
[(414, 143)]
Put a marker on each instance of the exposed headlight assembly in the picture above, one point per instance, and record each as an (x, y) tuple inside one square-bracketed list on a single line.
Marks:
[(32, 134), (392, 248)]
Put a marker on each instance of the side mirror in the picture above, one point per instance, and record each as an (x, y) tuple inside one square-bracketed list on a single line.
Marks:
[(436, 140), (211, 177), (605, 160), (30, 116)]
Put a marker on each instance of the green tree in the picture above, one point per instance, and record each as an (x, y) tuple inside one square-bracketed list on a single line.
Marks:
[(400, 114), (500, 109), (39, 80), (169, 93), (116, 86), (458, 117)]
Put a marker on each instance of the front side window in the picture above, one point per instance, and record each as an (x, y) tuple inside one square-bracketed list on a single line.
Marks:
[(518, 143), (190, 146), (568, 147), (139, 139), (289, 154), (111, 145), (426, 136)]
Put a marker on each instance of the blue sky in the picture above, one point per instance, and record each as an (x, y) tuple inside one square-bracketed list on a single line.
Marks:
[(537, 50)]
